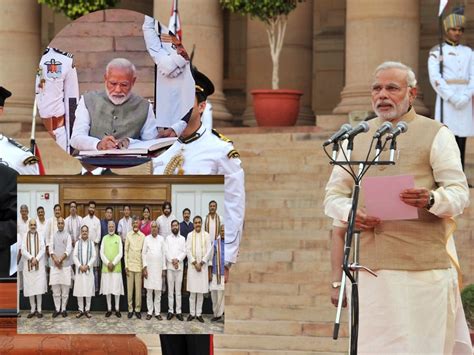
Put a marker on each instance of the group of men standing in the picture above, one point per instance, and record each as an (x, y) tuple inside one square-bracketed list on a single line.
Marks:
[(70, 253)]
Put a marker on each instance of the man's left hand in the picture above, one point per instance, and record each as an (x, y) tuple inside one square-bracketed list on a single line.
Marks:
[(417, 197), (123, 143), (168, 132)]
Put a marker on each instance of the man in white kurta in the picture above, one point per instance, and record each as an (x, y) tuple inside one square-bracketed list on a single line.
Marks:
[(73, 223), (111, 283), (133, 268), (34, 274), (218, 278), (212, 223), (199, 252), (164, 221), (84, 257), (175, 246), (60, 276), (456, 85), (22, 227), (154, 269), (42, 223), (125, 223), (416, 285), (93, 223), (52, 227)]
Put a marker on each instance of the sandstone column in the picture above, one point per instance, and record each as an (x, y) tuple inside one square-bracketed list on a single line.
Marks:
[(19, 55), (295, 61), (377, 31), (202, 25)]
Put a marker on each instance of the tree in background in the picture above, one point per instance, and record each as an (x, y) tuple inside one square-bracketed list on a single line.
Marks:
[(74, 9)]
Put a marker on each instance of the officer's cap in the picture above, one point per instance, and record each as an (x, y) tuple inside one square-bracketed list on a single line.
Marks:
[(204, 86), (4, 94)]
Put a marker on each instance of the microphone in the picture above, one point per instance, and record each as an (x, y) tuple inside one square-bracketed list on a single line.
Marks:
[(346, 127), (361, 127), (402, 127), (384, 128)]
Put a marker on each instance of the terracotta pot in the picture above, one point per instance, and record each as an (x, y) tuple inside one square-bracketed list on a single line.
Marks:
[(276, 107)]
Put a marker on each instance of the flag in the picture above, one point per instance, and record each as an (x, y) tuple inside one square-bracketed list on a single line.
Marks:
[(175, 23), (442, 5), (37, 153)]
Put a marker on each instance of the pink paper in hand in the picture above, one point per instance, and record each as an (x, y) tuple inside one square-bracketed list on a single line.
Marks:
[(382, 197)]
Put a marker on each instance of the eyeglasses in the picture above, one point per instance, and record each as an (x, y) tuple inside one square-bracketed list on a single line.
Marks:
[(390, 88)]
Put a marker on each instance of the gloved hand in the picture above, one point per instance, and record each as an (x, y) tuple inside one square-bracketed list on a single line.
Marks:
[(460, 101)]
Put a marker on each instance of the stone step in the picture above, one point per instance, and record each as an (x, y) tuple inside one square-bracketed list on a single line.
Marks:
[(272, 342), (293, 223), (284, 255)]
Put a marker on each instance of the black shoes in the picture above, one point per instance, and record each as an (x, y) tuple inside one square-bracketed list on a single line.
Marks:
[(88, 315), (148, 316), (190, 318), (31, 315), (200, 319), (55, 314), (169, 316), (159, 317), (118, 314), (80, 314), (39, 314), (180, 317), (215, 319), (64, 313), (108, 314), (130, 315), (139, 315)]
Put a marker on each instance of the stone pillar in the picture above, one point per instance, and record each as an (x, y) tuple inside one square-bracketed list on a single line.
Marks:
[(295, 61), (20, 52), (377, 31), (202, 26)]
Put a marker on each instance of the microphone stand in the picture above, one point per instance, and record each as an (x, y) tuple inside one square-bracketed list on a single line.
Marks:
[(352, 240)]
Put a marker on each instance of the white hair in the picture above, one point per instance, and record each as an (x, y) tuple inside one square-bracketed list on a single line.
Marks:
[(121, 63), (411, 78)]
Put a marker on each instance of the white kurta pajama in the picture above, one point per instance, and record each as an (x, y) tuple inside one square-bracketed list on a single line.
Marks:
[(198, 249), (34, 278), (60, 278), (175, 249), (111, 282), (154, 259), (411, 312), (84, 254)]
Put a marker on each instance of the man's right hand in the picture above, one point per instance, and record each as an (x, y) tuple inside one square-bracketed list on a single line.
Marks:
[(108, 142), (363, 221), (335, 297)]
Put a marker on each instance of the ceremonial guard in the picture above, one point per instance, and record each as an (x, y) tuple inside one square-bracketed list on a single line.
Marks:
[(111, 252), (455, 85), (60, 276), (175, 246), (199, 252), (174, 81), (218, 276), (56, 85), (154, 270), (12, 153), (84, 257), (34, 274)]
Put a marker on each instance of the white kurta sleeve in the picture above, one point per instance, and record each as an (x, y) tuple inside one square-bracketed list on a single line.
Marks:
[(437, 82), (234, 198), (144, 252), (452, 195), (93, 258), (97, 231), (75, 256), (102, 254), (42, 249), (210, 249), (182, 249), (24, 251), (80, 138), (163, 254), (189, 249)]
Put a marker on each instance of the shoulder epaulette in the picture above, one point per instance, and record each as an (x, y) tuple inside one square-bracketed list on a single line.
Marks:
[(434, 48), (221, 136), (233, 154), (31, 160), (46, 50), (67, 54), (18, 145)]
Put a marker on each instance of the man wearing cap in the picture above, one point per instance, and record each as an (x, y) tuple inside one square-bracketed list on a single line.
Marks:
[(203, 151), (114, 117), (56, 84), (455, 86), (12, 153)]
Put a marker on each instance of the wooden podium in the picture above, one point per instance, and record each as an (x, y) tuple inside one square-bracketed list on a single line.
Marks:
[(13, 343)]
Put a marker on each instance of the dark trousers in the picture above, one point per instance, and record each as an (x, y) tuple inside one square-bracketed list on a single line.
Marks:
[(461, 141), (186, 344)]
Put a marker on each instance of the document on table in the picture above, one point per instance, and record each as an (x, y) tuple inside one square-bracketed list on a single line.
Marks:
[(382, 197)]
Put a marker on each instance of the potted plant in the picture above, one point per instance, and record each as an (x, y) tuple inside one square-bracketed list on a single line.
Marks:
[(467, 297), (74, 9), (275, 107)]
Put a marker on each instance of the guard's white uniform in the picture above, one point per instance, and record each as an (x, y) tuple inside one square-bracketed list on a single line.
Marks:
[(456, 87), (175, 91), (210, 154), (17, 157), (56, 83)]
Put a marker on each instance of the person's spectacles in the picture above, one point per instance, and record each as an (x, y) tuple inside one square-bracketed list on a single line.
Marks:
[(390, 88)]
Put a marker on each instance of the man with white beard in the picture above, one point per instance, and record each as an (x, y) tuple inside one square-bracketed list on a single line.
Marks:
[(111, 283), (73, 223), (34, 275), (60, 276), (84, 257), (114, 117), (154, 269), (93, 223), (175, 254), (199, 252)]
